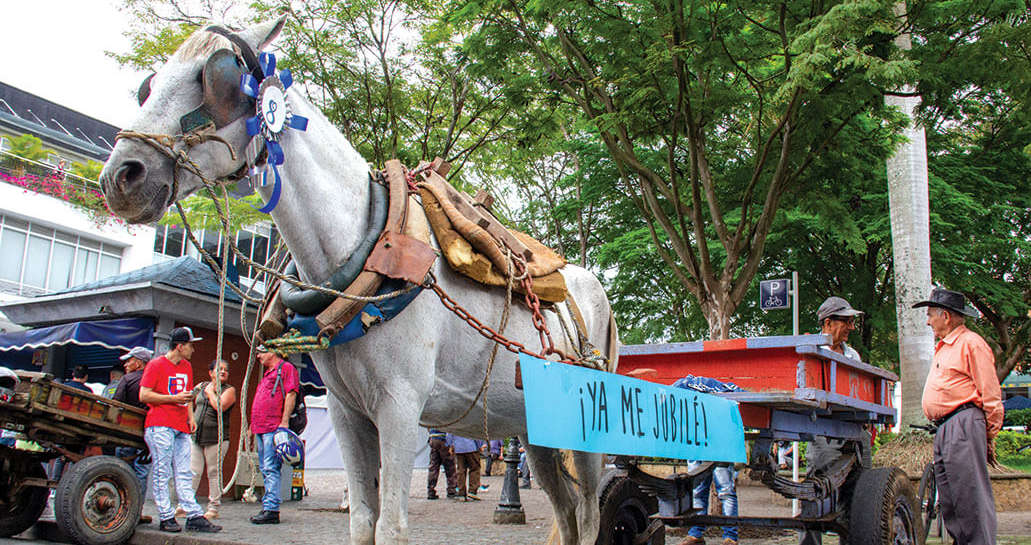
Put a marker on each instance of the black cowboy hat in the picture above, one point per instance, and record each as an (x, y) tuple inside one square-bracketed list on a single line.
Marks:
[(948, 300)]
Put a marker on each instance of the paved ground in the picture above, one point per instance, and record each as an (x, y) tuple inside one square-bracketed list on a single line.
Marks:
[(316, 519)]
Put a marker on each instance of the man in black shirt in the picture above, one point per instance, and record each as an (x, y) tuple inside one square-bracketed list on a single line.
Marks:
[(128, 391), (79, 375)]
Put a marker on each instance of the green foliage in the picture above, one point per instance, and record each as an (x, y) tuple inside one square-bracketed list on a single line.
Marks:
[(883, 438), (149, 51), (202, 214), (1008, 442), (1018, 417), (28, 147)]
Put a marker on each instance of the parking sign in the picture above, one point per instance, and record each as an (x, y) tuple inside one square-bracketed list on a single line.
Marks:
[(773, 294)]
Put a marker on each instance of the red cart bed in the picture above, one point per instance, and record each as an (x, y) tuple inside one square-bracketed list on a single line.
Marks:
[(792, 373)]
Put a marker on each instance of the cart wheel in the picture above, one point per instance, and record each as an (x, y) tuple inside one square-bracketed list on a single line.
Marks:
[(624, 516), (98, 501), (19, 511), (884, 509)]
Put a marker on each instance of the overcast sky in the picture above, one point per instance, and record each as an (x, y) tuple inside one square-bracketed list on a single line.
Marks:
[(55, 49)]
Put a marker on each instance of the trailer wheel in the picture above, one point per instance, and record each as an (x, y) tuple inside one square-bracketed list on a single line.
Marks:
[(625, 512), (98, 501), (884, 509), (20, 510)]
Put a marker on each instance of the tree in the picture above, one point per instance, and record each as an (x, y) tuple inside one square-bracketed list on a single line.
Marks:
[(710, 112)]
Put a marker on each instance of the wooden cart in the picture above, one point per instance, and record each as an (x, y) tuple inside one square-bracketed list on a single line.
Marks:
[(98, 498), (797, 390)]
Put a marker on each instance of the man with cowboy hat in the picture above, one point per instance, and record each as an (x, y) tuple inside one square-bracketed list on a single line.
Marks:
[(963, 398)]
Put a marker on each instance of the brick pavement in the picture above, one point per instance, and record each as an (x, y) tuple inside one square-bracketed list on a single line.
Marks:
[(447, 522)]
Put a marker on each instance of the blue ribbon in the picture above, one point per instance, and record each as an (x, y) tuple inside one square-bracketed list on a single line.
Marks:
[(255, 125)]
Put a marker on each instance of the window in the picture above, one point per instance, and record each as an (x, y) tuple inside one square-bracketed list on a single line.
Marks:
[(35, 259), (256, 242)]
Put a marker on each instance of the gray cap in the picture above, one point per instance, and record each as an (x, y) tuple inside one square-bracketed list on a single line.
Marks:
[(836, 306), (144, 354)]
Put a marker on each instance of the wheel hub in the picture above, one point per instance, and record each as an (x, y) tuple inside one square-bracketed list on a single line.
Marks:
[(104, 506)]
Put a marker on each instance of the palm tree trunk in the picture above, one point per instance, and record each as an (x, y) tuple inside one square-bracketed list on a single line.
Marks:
[(911, 243)]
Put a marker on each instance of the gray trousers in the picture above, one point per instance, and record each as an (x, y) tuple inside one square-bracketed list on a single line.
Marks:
[(961, 471)]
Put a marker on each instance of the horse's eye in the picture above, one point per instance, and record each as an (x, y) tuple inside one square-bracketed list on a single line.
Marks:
[(144, 90)]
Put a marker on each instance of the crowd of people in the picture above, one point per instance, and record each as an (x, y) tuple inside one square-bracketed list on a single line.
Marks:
[(187, 427)]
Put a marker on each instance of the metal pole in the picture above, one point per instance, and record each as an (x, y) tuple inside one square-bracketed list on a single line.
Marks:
[(795, 507), (510, 509)]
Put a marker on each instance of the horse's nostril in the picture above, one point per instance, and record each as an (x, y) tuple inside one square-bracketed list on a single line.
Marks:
[(130, 173)]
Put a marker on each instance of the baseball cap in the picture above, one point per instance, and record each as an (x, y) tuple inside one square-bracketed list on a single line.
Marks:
[(835, 306), (182, 335), (138, 352)]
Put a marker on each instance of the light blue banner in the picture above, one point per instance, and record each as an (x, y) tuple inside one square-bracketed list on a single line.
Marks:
[(582, 409)]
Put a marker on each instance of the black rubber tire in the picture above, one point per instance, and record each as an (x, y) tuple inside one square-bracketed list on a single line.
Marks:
[(20, 512), (884, 509), (98, 501), (624, 515), (926, 495)]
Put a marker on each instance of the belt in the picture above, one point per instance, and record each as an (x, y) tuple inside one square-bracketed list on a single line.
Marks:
[(968, 405)]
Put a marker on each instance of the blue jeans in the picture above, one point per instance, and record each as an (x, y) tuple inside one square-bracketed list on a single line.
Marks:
[(170, 455), (141, 470), (725, 490), (271, 467)]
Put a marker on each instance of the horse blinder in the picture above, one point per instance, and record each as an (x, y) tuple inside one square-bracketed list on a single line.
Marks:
[(223, 102)]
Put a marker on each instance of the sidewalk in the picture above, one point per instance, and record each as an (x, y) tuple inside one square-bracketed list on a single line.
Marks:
[(317, 519)]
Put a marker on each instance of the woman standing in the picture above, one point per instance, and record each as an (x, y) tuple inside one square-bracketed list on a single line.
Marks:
[(206, 448)]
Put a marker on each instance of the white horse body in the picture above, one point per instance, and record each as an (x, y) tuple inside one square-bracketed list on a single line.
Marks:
[(424, 367)]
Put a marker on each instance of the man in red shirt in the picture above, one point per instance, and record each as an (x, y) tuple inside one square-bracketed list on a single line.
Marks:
[(274, 401), (963, 398), (166, 387)]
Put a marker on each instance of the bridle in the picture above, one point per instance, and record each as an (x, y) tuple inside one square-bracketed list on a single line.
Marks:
[(223, 69)]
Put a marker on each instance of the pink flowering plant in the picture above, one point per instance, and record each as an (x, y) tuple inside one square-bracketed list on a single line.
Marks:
[(72, 188)]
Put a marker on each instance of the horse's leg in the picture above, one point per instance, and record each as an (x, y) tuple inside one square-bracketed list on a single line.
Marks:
[(588, 466), (546, 466), (359, 446), (398, 422)]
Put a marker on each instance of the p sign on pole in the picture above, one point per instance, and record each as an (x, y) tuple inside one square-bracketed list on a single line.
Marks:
[(773, 294)]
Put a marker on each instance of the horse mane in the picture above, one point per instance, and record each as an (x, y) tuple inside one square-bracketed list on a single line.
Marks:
[(201, 44)]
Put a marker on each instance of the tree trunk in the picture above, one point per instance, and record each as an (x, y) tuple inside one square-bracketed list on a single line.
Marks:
[(911, 244)]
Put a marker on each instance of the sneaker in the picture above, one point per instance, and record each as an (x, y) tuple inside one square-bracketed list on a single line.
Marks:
[(431, 495), (692, 540), (452, 494), (524, 484), (266, 517), (170, 525), (472, 497), (484, 487), (201, 524)]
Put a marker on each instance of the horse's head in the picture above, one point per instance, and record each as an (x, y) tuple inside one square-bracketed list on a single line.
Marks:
[(195, 95)]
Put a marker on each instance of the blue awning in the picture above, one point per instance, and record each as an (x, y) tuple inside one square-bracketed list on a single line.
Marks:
[(119, 334), (1016, 402)]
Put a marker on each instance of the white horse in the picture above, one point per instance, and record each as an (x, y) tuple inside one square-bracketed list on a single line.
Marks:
[(424, 367)]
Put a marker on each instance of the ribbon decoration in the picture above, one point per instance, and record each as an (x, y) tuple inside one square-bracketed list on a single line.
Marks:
[(273, 117)]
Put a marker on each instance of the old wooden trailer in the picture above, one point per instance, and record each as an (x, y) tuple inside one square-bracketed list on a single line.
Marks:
[(98, 499), (796, 390)]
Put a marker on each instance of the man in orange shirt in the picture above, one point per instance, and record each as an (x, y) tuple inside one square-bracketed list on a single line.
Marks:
[(963, 398)]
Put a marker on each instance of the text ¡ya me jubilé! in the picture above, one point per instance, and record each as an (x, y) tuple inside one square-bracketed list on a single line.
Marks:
[(679, 420)]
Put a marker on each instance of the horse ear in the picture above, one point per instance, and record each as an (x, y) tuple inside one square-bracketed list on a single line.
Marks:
[(259, 36), (222, 96)]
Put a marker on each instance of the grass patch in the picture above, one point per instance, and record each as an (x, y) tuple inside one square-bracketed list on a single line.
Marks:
[(1017, 463)]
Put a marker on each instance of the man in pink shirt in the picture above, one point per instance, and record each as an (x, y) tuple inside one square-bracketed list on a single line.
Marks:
[(274, 401), (963, 398)]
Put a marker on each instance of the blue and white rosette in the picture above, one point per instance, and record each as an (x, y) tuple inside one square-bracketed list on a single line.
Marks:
[(272, 118)]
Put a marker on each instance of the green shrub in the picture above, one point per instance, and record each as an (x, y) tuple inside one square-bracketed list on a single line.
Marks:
[(882, 438), (1018, 417), (1008, 442)]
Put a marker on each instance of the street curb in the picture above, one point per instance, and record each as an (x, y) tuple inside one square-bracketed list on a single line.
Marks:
[(157, 537)]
